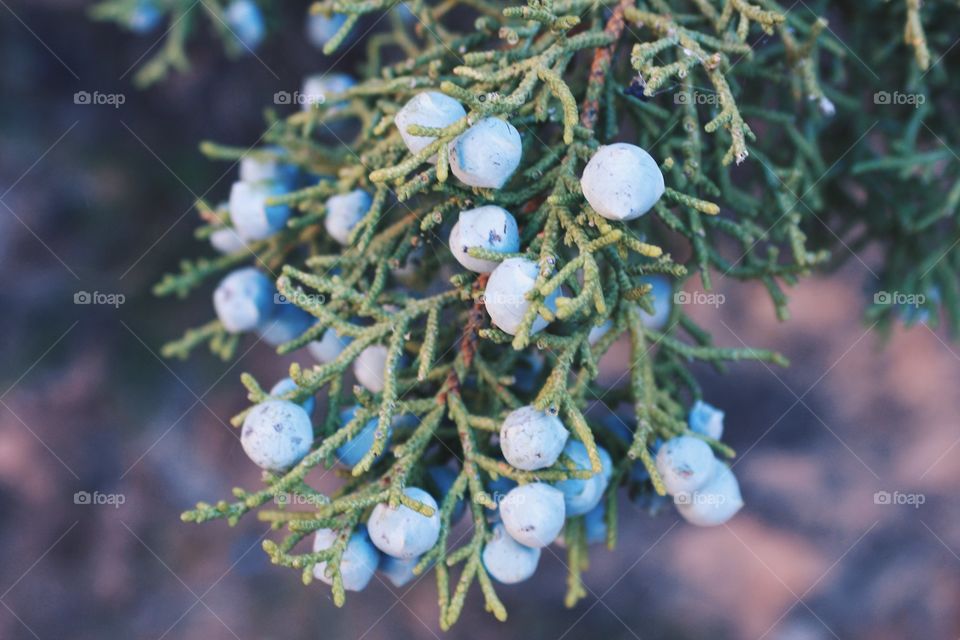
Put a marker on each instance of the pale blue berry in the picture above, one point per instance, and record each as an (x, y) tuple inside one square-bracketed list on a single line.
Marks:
[(595, 524), (286, 385), (351, 452), (684, 464), (486, 154), (251, 216), (318, 89), (533, 514), (287, 322), (402, 532), (621, 181), (508, 561), (597, 332), (706, 419), (245, 21), (144, 16), (583, 494), (328, 347), (370, 367), (321, 28), (714, 502), (531, 439), (244, 300), (344, 211), (359, 560), (505, 295), (276, 434), (490, 227), (226, 240), (399, 571), (267, 166), (428, 109)]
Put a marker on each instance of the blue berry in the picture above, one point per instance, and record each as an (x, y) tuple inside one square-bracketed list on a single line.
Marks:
[(508, 561), (428, 109), (621, 181), (344, 211), (244, 300), (359, 560), (320, 28), (706, 419), (489, 227), (716, 501), (328, 347), (486, 154), (276, 434), (684, 464), (144, 16), (583, 494), (227, 240), (402, 532), (370, 367), (398, 571), (244, 19), (531, 439), (533, 514), (354, 449), (251, 216), (661, 293), (288, 322), (286, 385), (506, 291)]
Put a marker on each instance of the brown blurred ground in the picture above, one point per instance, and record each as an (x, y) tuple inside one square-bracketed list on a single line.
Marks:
[(86, 406)]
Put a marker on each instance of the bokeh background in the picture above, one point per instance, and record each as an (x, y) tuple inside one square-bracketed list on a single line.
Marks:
[(97, 198)]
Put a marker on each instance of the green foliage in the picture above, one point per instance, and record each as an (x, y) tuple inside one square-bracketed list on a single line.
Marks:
[(753, 113)]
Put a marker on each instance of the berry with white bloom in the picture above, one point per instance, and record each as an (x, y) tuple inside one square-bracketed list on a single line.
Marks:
[(359, 560), (505, 295), (369, 367), (661, 296), (531, 439), (684, 464), (489, 227), (486, 154), (402, 532), (428, 109), (244, 300), (508, 561), (621, 181), (344, 211), (595, 524), (319, 88), (321, 28), (276, 434), (352, 452), (245, 21), (398, 571), (286, 385), (533, 514), (706, 419), (328, 347), (227, 240), (266, 166), (715, 502), (143, 17), (251, 216), (583, 494), (287, 322)]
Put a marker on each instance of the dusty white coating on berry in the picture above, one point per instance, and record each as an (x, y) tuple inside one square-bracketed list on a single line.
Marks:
[(706, 419), (360, 559), (505, 295), (251, 216), (508, 561), (583, 494), (715, 502), (428, 109), (489, 227), (328, 347), (287, 322), (402, 532), (531, 439), (276, 434), (398, 571), (243, 300), (320, 88), (353, 450), (486, 154), (684, 464), (369, 367), (344, 211), (533, 514), (285, 386), (621, 181)]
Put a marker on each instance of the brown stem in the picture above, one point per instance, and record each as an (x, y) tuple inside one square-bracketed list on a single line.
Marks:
[(601, 65)]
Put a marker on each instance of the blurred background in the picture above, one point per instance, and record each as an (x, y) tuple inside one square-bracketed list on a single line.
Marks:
[(97, 198)]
